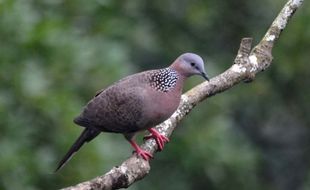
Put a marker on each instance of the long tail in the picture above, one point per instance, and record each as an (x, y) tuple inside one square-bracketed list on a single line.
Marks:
[(87, 135)]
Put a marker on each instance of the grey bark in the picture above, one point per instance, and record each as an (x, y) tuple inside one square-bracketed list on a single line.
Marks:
[(248, 62)]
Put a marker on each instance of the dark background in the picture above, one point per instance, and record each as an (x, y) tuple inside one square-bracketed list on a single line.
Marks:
[(55, 54)]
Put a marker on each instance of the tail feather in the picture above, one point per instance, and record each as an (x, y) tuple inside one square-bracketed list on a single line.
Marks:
[(87, 135)]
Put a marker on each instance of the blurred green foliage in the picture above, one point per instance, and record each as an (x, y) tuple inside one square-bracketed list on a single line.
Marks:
[(55, 54)]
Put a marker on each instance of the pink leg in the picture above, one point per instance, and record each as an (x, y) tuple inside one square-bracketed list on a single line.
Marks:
[(144, 154), (159, 138)]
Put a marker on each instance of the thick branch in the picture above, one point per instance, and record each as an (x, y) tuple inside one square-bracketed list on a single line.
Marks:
[(248, 62)]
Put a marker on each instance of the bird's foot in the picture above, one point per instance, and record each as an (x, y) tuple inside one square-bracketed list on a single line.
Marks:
[(144, 154), (159, 138), (140, 152)]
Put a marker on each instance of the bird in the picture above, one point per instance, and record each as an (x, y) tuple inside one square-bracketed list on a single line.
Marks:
[(137, 103)]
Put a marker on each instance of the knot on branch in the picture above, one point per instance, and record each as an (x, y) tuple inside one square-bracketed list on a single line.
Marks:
[(242, 60), (244, 50)]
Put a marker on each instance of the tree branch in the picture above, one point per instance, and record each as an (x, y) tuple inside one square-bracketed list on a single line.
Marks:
[(247, 64)]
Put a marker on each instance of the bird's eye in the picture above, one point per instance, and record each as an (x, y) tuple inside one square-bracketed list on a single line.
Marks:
[(192, 64)]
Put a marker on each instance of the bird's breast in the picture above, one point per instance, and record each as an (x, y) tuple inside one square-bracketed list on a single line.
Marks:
[(160, 106)]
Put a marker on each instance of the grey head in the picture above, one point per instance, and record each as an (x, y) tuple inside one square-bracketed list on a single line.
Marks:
[(189, 64)]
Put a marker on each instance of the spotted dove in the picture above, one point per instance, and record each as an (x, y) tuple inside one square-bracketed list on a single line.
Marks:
[(136, 103)]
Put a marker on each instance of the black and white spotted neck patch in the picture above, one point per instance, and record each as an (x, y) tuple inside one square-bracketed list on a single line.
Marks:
[(164, 79)]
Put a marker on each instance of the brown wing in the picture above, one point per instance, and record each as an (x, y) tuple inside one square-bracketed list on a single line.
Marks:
[(118, 109)]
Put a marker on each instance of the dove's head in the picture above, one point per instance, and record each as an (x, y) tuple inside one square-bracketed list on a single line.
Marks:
[(189, 64)]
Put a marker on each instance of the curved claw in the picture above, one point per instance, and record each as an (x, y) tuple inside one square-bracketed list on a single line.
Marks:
[(159, 138), (140, 152), (144, 154)]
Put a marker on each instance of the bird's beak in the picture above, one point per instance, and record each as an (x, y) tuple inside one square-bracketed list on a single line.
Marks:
[(204, 75)]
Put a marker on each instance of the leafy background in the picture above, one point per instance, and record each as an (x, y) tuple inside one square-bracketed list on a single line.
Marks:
[(55, 54)]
